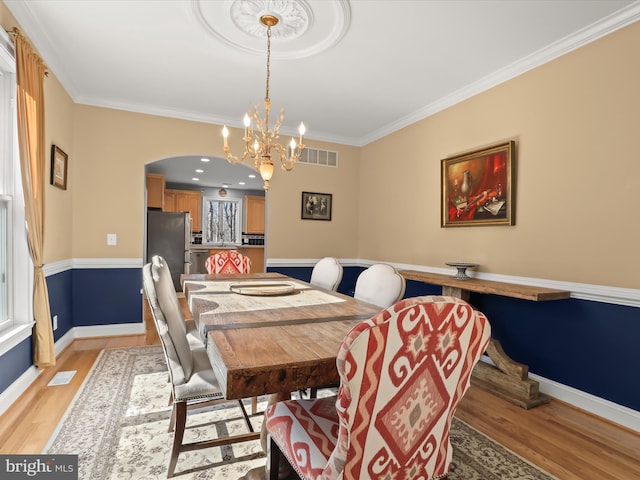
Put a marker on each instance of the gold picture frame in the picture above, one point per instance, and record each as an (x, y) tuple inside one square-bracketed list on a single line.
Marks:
[(59, 166), (478, 187)]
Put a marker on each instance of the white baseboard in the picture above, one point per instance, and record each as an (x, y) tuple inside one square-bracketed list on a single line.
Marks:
[(109, 330), (613, 412), (19, 386)]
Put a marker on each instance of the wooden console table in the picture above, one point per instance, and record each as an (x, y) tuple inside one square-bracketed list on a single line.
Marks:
[(508, 379)]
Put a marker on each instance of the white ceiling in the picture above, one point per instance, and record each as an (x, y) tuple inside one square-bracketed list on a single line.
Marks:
[(356, 71)]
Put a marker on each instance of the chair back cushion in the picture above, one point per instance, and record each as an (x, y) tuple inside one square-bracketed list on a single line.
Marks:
[(380, 284), (327, 274), (403, 373), (228, 261), (171, 316)]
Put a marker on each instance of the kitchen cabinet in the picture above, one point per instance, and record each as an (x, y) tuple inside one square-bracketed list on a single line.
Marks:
[(254, 214), (184, 201), (256, 255), (155, 190)]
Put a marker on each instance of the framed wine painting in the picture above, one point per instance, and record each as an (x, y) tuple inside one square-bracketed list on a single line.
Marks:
[(478, 187)]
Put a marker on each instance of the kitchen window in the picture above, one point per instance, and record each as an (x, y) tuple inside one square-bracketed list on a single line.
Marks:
[(221, 222)]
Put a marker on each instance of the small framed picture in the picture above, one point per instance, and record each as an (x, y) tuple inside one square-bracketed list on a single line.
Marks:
[(316, 206), (59, 166)]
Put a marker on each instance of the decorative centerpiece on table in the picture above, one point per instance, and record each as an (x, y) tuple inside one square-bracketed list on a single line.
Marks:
[(462, 269)]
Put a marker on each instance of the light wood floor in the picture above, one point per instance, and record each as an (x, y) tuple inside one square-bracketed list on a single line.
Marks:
[(566, 442)]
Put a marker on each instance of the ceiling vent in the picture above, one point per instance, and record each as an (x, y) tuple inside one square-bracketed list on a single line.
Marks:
[(315, 156)]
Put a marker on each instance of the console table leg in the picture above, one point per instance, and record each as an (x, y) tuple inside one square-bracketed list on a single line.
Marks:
[(507, 379)]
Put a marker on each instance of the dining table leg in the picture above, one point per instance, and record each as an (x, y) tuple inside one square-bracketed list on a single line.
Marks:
[(285, 470)]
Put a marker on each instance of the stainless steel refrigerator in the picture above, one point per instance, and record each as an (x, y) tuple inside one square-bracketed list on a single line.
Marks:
[(169, 235)]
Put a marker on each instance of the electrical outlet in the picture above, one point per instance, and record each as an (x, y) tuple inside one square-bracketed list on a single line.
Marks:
[(112, 239), (55, 322)]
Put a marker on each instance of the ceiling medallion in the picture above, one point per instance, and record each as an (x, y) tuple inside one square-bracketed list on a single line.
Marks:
[(293, 17), (304, 28)]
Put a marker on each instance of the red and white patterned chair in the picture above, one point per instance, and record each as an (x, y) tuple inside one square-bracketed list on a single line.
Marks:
[(228, 261), (402, 373)]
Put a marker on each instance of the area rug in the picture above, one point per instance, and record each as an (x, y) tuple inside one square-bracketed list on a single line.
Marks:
[(117, 425)]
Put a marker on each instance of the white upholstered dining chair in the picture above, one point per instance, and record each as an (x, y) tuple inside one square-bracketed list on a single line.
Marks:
[(327, 274), (380, 284), (193, 382)]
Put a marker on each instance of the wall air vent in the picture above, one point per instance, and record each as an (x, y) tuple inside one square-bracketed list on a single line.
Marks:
[(315, 156)]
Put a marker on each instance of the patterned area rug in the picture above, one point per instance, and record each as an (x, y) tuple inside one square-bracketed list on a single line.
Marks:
[(118, 422)]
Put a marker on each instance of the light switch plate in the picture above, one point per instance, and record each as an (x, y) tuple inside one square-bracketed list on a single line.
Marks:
[(112, 239)]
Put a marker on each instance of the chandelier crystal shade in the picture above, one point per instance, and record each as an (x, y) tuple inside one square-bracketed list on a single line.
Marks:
[(259, 139)]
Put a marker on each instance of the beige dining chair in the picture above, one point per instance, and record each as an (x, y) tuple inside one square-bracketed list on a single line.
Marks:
[(327, 274), (191, 325), (380, 284), (193, 382)]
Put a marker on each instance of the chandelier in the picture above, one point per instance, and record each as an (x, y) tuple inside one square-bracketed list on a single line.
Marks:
[(259, 140)]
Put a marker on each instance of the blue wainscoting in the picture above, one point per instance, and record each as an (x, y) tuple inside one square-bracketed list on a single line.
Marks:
[(60, 301), (590, 346), (14, 363), (106, 296), (347, 285), (81, 297), (587, 345)]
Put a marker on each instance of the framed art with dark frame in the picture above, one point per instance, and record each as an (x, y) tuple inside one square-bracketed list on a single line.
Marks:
[(478, 187), (316, 206), (59, 165)]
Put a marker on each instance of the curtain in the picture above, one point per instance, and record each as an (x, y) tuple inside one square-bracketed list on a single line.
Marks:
[(30, 101)]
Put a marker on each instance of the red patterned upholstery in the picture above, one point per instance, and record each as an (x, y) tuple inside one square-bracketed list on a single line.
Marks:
[(402, 373), (228, 261)]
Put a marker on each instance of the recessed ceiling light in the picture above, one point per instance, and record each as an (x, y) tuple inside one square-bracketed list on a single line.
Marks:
[(199, 170), (241, 183), (225, 185), (205, 160), (252, 176), (195, 179)]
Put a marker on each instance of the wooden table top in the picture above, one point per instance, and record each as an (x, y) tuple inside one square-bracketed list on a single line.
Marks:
[(526, 292), (270, 344)]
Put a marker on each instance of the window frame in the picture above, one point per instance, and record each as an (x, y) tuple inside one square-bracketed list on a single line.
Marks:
[(18, 325), (204, 221)]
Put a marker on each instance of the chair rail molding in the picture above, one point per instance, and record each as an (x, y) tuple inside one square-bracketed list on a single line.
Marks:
[(596, 293)]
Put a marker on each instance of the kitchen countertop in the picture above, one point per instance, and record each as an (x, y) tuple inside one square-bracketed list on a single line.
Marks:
[(206, 247)]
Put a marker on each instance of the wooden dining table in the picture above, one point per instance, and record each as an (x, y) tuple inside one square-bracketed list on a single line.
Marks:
[(271, 334)]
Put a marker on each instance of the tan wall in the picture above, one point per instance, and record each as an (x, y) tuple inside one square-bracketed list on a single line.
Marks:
[(288, 236), (59, 111), (574, 120), (576, 124), (58, 131), (111, 148)]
